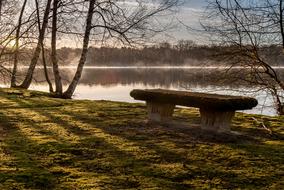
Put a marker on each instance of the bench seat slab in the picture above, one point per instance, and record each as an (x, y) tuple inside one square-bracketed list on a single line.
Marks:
[(218, 121), (158, 112)]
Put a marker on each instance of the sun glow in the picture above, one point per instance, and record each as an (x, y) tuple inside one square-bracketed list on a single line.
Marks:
[(11, 43), (8, 43)]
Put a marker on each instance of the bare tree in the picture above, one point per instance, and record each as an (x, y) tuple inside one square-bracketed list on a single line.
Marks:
[(1, 2), (247, 27), (17, 38), (104, 21), (43, 50), (7, 29), (28, 78), (57, 77), (111, 20), (69, 92)]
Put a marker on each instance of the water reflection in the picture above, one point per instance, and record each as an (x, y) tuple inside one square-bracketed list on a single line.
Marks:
[(116, 83)]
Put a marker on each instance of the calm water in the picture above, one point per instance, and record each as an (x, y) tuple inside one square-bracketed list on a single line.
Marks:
[(116, 83)]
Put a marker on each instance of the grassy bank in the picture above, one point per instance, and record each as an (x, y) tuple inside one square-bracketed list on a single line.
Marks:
[(48, 143)]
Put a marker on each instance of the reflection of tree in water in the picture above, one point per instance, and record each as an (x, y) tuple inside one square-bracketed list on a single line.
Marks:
[(176, 78)]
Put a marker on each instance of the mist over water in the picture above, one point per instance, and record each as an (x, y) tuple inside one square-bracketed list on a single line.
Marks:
[(115, 83)]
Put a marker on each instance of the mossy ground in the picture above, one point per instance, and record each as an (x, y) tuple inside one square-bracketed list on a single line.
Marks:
[(48, 143)]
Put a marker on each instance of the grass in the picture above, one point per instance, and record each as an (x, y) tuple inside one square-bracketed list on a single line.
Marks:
[(48, 143)]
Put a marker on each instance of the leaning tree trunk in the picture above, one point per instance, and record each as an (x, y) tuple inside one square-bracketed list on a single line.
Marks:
[(43, 50), (29, 76), (69, 92), (57, 77), (16, 53), (1, 3), (281, 23), (45, 69), (278, 103)]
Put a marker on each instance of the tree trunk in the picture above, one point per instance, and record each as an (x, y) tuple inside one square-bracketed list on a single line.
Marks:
[(16, 53), (0, 8), (69, 92), (280, 108), (45, 69), (281, 23), (279, 105), (43, 50), (28, 79), (57, 77)]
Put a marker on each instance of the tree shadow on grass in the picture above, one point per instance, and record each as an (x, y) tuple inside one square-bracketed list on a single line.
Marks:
[(171, 159), (24, 169), (44, 111), (152, 141), (220, 162), (118, 162), (80, 154)]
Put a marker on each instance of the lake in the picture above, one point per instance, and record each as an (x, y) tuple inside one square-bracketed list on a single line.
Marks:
[(115, 83)]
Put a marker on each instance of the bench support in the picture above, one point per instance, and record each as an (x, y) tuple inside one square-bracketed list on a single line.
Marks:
[(214, 120), (158, 112)]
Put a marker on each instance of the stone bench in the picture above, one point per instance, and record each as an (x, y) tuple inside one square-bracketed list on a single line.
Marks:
[(216, 110)]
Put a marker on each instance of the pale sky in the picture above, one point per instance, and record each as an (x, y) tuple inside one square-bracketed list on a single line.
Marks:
[(189, 14)]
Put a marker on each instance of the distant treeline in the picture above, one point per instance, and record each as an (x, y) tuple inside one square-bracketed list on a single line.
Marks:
[(182, 53)]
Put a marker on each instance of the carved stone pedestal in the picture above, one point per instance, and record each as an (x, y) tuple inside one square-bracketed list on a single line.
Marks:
[(161, 113), (218, 121)]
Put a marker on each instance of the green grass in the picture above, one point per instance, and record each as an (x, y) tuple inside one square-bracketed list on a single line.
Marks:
[(48, 143)]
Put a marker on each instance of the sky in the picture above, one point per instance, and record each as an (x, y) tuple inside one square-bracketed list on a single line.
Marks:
[(198, 4), (189, 15)]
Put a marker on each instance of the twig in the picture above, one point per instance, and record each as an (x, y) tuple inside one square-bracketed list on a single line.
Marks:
[(262, 124)]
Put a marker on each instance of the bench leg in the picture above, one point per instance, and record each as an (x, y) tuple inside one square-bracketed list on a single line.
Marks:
[(158, 112), (218, 121)]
